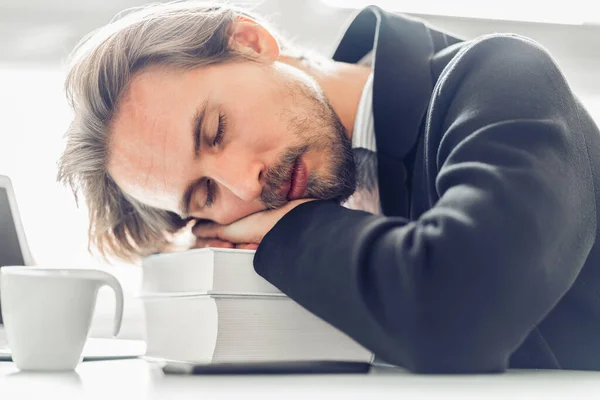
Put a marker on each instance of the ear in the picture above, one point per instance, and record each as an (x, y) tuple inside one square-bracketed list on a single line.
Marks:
[(248, 36)]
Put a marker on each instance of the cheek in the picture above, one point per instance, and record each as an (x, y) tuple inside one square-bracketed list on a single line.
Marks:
[(262, 122)]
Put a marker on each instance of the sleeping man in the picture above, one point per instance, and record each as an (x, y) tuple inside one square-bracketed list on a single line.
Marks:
[(433, 198)]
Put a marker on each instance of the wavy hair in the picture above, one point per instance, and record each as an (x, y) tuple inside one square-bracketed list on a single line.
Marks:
[(181, 35)]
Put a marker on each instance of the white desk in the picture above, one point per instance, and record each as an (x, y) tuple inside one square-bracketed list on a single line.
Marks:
[(137, 379)]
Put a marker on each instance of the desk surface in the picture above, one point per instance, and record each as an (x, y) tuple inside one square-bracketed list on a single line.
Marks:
[(138, 379)]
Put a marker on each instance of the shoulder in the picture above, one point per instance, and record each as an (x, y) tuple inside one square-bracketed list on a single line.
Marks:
[(503, 60), (506, 75), (506, 42), (496, 81)]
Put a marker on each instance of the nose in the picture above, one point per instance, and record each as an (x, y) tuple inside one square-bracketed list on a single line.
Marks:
[(243, 179)]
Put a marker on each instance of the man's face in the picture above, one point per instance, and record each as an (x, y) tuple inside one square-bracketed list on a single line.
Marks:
[(271, 118)]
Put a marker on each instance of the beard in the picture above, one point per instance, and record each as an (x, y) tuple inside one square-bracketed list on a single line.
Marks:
[(320, 129)]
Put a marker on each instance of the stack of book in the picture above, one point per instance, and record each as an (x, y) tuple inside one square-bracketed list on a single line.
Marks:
[(208, 306)]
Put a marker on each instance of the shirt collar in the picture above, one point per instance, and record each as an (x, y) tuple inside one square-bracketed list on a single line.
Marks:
[(402, 83)]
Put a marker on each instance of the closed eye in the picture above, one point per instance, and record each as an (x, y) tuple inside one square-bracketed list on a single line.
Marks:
[(210, 193), (220, 129), (210, 186)]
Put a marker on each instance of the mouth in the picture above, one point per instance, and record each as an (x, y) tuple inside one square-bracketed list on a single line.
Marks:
[(298, 181)]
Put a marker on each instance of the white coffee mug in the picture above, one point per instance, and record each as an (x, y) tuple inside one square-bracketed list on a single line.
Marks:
[(48, 313)]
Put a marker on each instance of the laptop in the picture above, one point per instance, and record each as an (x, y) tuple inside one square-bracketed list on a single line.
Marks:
[(13, 245), (14, 250)]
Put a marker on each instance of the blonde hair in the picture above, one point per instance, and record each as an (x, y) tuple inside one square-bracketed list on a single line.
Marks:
[(181, 35)]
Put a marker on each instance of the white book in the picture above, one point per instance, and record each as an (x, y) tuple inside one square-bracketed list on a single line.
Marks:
[(207, 270), (206, 329)]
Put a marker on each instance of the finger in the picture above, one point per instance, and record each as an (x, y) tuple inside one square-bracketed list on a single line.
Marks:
[(247, 246), (207, 230), (201, 243)]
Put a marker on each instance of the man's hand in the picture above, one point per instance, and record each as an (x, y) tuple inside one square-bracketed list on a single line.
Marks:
[(245, 233)]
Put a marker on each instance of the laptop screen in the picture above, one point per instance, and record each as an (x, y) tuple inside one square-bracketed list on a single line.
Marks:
[(10, 250)]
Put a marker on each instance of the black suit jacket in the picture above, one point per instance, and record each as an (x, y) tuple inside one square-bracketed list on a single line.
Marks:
[(488, 167)]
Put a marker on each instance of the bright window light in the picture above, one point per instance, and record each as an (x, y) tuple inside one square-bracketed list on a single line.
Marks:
[(573, 12)]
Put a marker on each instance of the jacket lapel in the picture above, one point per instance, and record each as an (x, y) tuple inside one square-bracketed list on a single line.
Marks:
[(402, 88)]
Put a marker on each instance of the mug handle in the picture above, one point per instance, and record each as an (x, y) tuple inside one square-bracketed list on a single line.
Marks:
[(106, 279)]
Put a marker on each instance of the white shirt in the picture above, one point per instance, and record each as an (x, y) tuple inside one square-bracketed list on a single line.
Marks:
[(364, 127), (366, 196)]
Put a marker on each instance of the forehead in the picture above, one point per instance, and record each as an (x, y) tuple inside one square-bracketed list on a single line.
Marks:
[(151, 136)]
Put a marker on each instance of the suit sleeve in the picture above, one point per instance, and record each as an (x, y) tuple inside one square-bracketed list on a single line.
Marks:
[(512, 222)]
